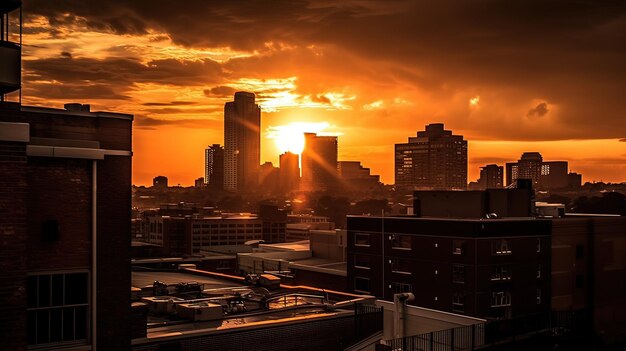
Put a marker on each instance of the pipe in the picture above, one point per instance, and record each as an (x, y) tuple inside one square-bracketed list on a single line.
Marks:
[(94, 252), (399, 301)]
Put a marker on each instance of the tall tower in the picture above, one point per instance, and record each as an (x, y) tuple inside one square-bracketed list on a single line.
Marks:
[(319, 162), (527, 167), (214, 167), (242, 142), (434, 159), (10, 48), (289, 172)]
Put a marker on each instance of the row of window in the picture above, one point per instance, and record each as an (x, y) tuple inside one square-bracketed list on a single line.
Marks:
[(459, 247), (403, 266)]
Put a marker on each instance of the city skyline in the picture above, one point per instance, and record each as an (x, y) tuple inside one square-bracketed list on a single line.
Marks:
[(508, 83)]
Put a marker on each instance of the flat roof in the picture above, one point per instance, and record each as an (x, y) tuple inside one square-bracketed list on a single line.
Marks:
[(141, 279)]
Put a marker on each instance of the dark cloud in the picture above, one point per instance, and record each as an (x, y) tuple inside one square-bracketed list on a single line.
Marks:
[(74, 92), (514, 52), (320, 98), (171, 103), (66, 54), (623, 140), (220, 91), (539, 110)]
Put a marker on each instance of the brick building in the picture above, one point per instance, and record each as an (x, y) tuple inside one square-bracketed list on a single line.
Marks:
[(65, 208)]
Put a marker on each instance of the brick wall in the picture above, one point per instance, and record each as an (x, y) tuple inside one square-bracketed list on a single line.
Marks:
[(13, 189)]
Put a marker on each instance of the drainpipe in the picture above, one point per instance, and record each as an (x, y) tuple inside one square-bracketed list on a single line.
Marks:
[(399, 301), (94, 255)]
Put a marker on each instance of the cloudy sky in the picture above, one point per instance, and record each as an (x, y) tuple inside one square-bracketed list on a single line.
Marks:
[(511, 76)]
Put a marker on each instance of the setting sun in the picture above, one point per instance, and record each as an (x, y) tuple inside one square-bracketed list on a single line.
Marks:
[(290, 137)]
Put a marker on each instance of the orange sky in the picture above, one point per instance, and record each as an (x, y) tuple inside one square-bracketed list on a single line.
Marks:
[(376, 72)]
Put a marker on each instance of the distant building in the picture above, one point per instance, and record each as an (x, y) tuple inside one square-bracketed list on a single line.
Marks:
[(199, 182), (289, 172), (190, 234), (319, 162), (274, 221), (434, 159), (544, 174), (242, 142), (269, 178), (65, 227), (214, 167), (160, 182), (491, 177), (354, 177), (574, 180)]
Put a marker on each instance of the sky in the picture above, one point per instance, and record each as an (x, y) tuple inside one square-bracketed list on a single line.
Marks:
[(511, 76)]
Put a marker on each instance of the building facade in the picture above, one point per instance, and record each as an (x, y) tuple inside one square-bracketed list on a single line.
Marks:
[(160, 182), (544, 174), (491, 177), (481, 268), (214, 167), (319, 162), (242, 142), (65, 194), (434, 159), (289, 172), (354, 177)]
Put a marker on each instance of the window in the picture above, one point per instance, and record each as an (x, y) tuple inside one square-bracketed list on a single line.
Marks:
[(399, 241), (399, 288), (501, 247), (361, 239), (58, 308), (399, 265), (580, 252), (500, 298), (458, 302), (362, 261), (458, 247), (458, 274), (501, 272), (362, 285)]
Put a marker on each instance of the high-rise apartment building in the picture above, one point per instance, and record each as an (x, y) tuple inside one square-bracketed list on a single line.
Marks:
[(319, 162), (242, 142), (214, 167), (491, 177), (434, 159), (160, 182), (289, 171)]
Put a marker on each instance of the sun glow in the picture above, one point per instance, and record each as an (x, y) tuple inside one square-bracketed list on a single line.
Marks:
[(290, 137)]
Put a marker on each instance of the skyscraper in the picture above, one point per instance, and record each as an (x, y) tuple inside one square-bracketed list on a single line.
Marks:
[(319, 162), (242, 142), (289, 172), (214, 167), (434, 159)]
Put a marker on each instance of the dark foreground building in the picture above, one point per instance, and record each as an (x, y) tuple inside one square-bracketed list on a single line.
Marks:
[(65, 199)]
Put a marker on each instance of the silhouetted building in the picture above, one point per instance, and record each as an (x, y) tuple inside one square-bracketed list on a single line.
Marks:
[(574, 180), (65, 227), (10, 50), (319, 162), (160, 182), (434, 159), (544, 174), (269, 178), (491, 177), (476, 204), (274, 221), (214, 167), (199, 182), (289, 172), (487, 268), (355, 177), (242, 142)]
